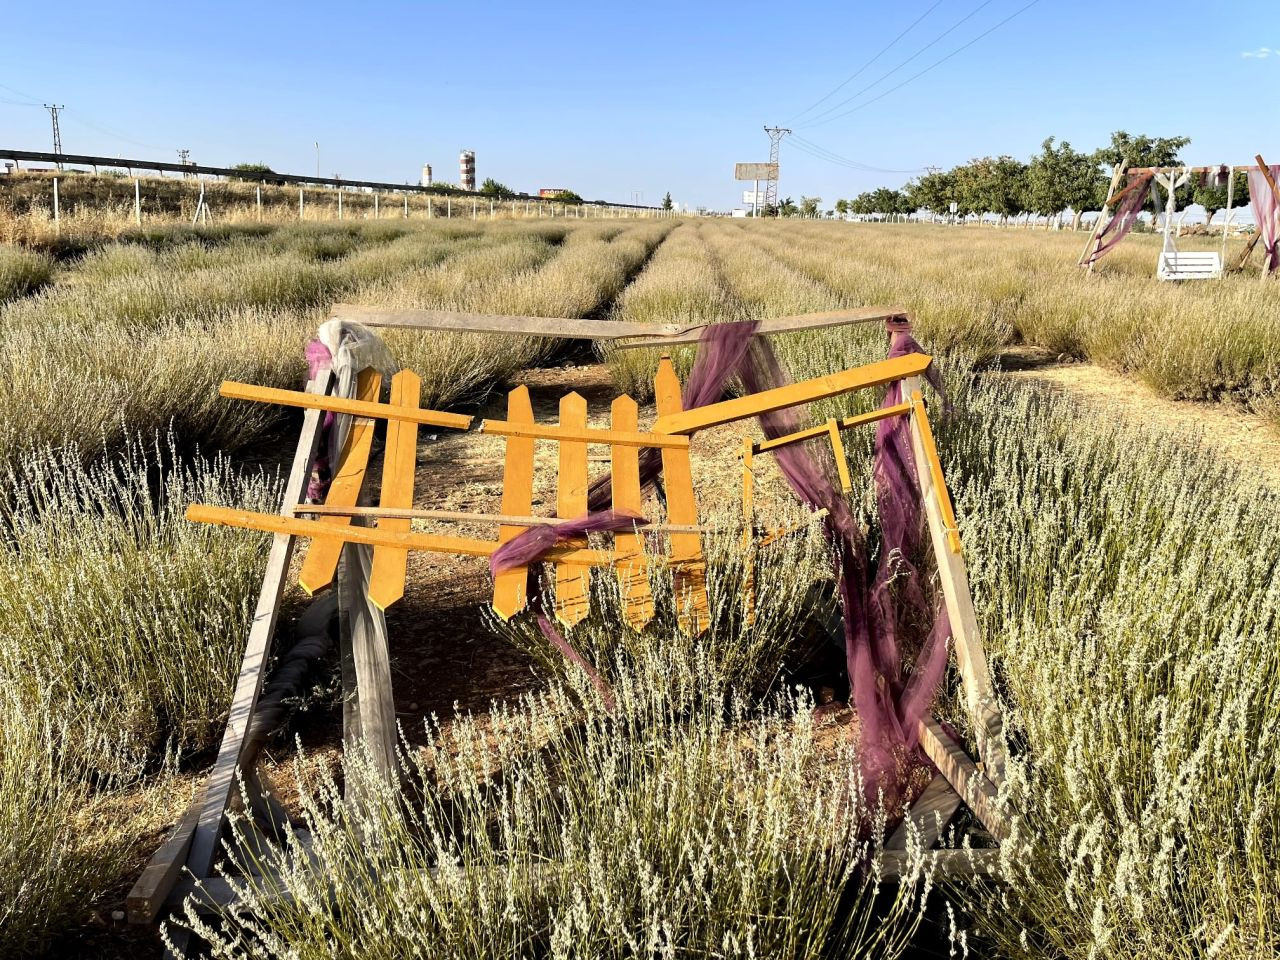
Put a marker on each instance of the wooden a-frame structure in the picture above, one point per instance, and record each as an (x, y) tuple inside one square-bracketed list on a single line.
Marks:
[(364, 566)]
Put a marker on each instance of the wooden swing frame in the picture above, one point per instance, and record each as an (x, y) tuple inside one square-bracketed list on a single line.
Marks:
[(336, 532)]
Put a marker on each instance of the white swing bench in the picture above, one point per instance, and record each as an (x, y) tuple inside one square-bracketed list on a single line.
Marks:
[(1189, 265)]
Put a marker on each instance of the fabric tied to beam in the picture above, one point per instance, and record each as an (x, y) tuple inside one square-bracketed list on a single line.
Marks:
[(1126, 215), (888, 619), (1266, 214)]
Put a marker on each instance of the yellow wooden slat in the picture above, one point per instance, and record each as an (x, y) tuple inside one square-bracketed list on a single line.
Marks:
[(689, 572), (571, 504), (628, 497), (935, 470), (321, 563), (793, 394), (510, 588), (358, 407), (427, 542), (844, 423), (399, 463), (837, 451), (547, 431)]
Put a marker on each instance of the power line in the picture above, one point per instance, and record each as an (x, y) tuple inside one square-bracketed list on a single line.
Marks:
[(857, 72), (822, 153), (936, 63), (818, 118)]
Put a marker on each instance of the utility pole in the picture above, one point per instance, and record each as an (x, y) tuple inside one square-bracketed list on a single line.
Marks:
[(771, 186), (53, 109), (317, 159), (184, 158)]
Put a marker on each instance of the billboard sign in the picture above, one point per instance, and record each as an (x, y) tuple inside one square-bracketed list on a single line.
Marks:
[(753, 198), (755, 171)]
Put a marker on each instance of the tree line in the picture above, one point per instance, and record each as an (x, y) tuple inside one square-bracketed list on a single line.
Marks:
[(1054, 181)]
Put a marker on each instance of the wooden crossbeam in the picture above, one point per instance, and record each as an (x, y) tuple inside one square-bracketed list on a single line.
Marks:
[(465, 516), (837, 451), (930, 814), (844, 423), (689, 575), (921, 418), (635, 334), (582, 434), (510, 587), (973, 786), (633, 578), (321, 563), (971, 659), (360, 407), (399, 463), (571, 503), (426, 542), (793, 394)]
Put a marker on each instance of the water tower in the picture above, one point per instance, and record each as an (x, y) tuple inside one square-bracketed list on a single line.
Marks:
[(426, 174), (467, 166)]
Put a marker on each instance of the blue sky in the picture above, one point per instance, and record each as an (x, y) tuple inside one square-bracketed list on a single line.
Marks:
[(611, 99)]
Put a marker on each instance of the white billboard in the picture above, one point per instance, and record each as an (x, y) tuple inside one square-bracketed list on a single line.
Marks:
[(753, 198)]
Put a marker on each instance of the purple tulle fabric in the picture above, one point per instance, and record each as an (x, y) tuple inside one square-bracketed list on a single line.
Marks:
[(319, 358), (1264, 215), (536, 542), (887, 616), (1126, 216)]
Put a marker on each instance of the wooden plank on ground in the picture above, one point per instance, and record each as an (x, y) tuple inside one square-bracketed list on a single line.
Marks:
[(144, 901), (943, 864), (688, 566), (217, 789), (321, 562), (930, 814), (510, 588), (973, 786), (636, 334), (793, 394), (356, 407), (399, 463), (363, 630), (633, 579), (571, 504), (979, 695)]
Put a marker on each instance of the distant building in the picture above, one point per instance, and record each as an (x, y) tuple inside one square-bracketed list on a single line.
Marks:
[(467, 168), (552, 191), (426, 174)]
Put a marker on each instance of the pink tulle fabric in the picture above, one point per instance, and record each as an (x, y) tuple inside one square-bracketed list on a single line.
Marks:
[(1126, 216), (1264, 215)]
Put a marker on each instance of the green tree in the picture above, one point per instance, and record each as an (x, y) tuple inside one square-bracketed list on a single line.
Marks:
[(566, 196), (666, 201), (842, 207), (933, 192), (1060, 177), (492, 188), (251, 171), (809, 206), (788, 208), (1214, 198), (992, 185), (1141, 151)]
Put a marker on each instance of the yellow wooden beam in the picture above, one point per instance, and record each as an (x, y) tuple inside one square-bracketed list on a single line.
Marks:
[(837, 451), (582, 434), (844, 423), (689, 575), (510, 587), (356, 408), (571, 503), (321, 563), (428, 543), (633, 579), (793, 394), (935, 471), (399, 464)]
